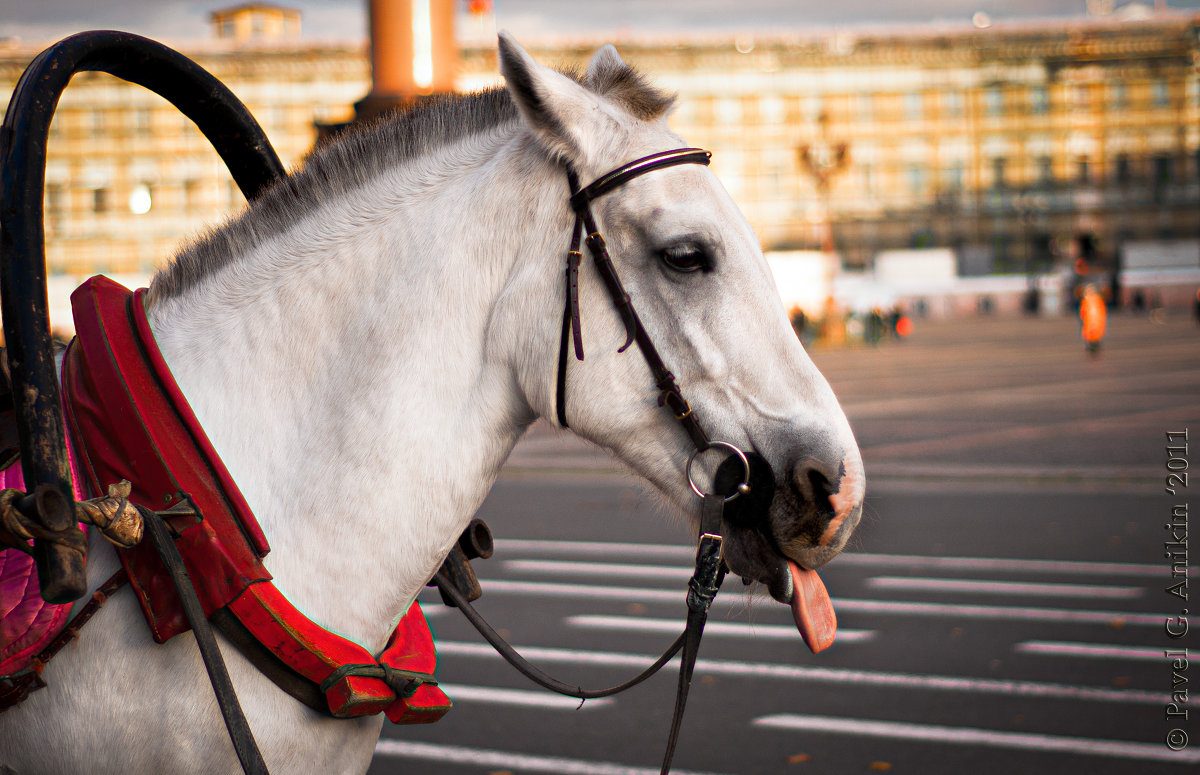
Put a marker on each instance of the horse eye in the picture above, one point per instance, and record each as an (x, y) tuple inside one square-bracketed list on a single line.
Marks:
[(686, 258)]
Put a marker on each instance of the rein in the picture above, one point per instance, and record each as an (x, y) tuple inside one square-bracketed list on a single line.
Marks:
[(709, 570)]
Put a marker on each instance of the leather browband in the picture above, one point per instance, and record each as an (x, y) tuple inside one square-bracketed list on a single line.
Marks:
[(655, 161)]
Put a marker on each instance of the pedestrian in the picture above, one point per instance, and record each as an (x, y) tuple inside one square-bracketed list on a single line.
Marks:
[(1093, 315)]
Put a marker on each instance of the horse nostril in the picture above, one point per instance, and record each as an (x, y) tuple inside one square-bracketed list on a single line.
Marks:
[(812, 486), (820, 490)]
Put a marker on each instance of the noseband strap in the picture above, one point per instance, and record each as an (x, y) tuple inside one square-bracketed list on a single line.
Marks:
[(581, 198)]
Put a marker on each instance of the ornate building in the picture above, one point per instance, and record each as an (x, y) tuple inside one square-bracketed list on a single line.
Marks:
[(1011, 145), (1014, 145)]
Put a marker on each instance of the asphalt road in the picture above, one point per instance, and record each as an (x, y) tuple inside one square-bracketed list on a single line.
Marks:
[(1001, 608)]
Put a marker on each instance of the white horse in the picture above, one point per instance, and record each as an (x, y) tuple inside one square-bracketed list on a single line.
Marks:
[(387, 326)]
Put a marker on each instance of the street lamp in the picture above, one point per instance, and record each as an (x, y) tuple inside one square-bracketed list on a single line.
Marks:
[(823, 160)]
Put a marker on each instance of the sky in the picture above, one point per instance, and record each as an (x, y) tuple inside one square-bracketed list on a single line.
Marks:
[(47, 20)]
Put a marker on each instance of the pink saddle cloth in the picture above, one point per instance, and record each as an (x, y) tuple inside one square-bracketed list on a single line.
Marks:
[(27, 623)]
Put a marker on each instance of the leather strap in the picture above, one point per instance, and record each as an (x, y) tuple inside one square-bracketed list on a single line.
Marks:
[(670, 395), (231, 710), (447, 587)]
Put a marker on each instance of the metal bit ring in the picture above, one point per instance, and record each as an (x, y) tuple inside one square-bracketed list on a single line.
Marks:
[(742, 488)]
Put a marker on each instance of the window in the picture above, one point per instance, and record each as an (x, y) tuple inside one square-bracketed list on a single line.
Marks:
[(100, 200), (993, 101), (191, 194), (914, 105), (867, 175), (1124, 172), (1081, 96), (1163, 170), (916, 179), (729, 110), (1045, 170), (953, 176), (955, 104), (812, 107), (1083, 170), (1118, 95), (141, 121), (54, 199), (1160, 95), (1039, 101), (864, 107), (998, 165), (771, 111)]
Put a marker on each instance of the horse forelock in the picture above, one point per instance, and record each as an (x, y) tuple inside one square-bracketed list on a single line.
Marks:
[(626, 86), (359, 155)]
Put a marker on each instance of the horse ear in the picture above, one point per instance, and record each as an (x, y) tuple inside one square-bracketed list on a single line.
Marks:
[(554, 106), (605, 63)]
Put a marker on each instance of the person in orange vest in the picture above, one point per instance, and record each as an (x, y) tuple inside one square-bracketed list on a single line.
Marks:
[(1094, 315)]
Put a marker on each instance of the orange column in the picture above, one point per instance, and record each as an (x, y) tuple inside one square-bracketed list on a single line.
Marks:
[(413, 49)]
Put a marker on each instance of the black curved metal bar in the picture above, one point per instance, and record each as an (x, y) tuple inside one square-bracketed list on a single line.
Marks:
[(222, 118)]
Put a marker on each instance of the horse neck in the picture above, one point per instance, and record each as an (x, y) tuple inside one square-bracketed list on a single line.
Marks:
[(351, 390)]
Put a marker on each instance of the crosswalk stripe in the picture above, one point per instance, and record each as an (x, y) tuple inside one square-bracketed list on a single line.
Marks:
[(1091, 650), (684, 553), (719, 629), (491, 695), (978, 737), (892, 607), (1089, 591), (774, 671), (486, 757)]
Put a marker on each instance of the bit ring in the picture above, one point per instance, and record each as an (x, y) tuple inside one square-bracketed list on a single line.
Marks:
[(742, 488)]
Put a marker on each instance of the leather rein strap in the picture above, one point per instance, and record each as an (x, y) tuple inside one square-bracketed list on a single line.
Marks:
[(709, 571)]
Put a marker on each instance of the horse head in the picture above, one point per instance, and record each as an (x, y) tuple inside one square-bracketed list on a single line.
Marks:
[(706, 298)]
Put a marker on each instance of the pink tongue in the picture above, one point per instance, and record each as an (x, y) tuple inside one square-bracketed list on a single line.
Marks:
[(812, 609)]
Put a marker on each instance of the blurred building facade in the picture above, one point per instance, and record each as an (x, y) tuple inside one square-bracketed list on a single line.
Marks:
[(129, 178), (1015, 146), (1010, 145)]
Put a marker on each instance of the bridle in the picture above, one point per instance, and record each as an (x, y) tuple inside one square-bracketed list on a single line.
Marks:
[(710, 570), (581, 199)]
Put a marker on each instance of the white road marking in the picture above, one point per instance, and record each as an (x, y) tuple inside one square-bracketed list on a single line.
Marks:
[(719, 629), (607, 569), (1090, 650), (486, 757), (686, 553), (1006, 587), (979, 737), (769, 670), (681, 573), (523, 697), (894, 607)]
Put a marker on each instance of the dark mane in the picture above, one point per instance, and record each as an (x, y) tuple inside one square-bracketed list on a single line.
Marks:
[(357, 156), (334, 169)]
